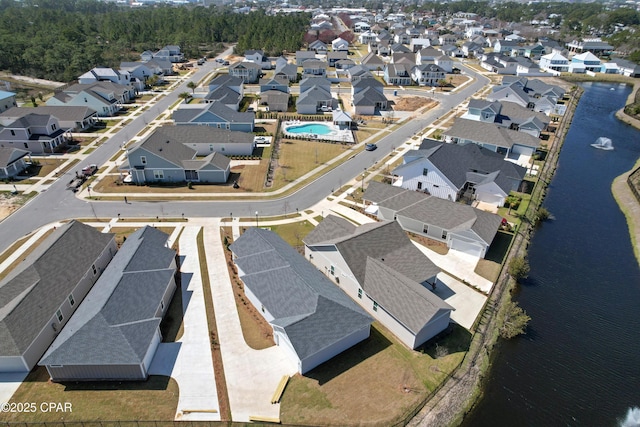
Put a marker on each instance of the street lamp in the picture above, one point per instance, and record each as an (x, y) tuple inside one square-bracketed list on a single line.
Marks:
[(362, 182), (256, 219)]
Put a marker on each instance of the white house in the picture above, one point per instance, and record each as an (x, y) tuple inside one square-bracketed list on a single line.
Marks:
[(312, 319), (554, 62), (380, 269)]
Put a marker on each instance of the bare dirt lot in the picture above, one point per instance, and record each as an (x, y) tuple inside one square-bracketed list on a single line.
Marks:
[(8, 204), (412, 103)]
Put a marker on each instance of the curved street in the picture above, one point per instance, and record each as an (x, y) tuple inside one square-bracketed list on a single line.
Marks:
[(56, 203)]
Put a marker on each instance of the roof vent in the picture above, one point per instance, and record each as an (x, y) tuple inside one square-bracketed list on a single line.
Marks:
[(168, 141), (382, 259)]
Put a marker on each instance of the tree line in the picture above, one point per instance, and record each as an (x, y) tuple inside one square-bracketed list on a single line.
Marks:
[(61, 39)]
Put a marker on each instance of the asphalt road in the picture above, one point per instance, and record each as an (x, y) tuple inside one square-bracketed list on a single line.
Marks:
[(58, 203)]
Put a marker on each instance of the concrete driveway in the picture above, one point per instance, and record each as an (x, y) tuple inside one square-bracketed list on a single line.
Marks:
[(252, 376), (467, 302), (189, 360)]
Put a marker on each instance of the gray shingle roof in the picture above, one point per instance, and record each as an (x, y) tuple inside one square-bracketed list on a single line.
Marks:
[(61, 112), (166, 148), (314, 312), (10, 155), (450, 216), (187, 113), (387, 266), (205, 134), (489, 133), (116, 322), (32, 293), (456, 162)]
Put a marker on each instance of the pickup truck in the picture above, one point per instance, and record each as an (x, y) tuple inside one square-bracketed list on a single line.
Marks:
[(89, 170)]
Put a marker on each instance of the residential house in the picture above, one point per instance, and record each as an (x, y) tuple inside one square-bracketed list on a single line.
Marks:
[(215, 114), (303, 55), (358, 72), (367, 37), (101, 74), (444, 62), (314, 67), (161, 158), (372, 62), (627, 68), (499, 63), (169, 53), (160, 67), (399, 48), (505, 46), (114, 333), (554, 62), (380, 269), (534, 51), (585, 61), (361, 27), (343, 65), (402, 38), (42, 292), (398, 74), (106, 98), (463, 228), (74, 119), (368, 96), (37, 133), (206, 140), (275, 93), (472, 50), (533, 94), (427, 74), (427, 55), (315, 93), (288, 71), (594, 45), (340, 44), (515, 146), (257, 57), (312, 319), (507, 114), (318, 46), (342, 119), (333, 57), (140, 72), (12, 162), (7, 100), (247, 71), (226, 89), (454, 172), (452, 51), (418, 44)]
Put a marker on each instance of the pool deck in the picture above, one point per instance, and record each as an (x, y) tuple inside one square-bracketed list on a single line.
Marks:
[(336, 134)]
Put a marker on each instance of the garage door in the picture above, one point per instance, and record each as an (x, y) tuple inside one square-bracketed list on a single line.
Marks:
[(466, 247)]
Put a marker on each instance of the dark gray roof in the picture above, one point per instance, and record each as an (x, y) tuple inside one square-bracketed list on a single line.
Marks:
[(116, 322), (11, 155), (427, 209), (188, 113), (387, 266), (204, 135), (61, 112), (372, 59), (368, 96), (313, 311), (214, 161), (32, 293), (226, 80), (313, 96), (223, 94), (166, 148), (490, 133), (457, 162)]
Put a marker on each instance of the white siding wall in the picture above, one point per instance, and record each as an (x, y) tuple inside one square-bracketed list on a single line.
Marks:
[(282, 341), (258, 304), (437, 324), (333, 350), (434, 182), (151, 351), (490, 193)]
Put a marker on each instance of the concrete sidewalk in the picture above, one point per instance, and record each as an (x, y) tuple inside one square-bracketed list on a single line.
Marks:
[(189, 360), (252, 375)]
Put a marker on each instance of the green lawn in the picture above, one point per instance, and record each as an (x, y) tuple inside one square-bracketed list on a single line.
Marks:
[(154, 399), (298, 157), (294, 232), (373, 383)]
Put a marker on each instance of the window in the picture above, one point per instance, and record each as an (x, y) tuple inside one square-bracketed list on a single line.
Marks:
[(72, 301), (425, 229), (419, 185), (143, 160), (161, 305), (59, 316), (53, 126), (444, 234), (13, 132), (26, 145), (425, 171), (333, 270), (375, 306), (93, 268), (360, 293), (158, 174), (210, 147)]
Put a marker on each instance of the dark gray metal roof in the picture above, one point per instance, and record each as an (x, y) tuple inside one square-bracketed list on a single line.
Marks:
[(313, 311), (32, 293), (116, 322)]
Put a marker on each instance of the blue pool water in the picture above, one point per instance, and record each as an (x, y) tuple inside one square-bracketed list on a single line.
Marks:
[(318, 129)]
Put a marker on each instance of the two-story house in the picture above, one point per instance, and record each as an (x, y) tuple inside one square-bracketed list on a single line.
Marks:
[(36, 133)]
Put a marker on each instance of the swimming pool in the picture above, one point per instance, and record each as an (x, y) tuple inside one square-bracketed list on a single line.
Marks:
[(314, 128)]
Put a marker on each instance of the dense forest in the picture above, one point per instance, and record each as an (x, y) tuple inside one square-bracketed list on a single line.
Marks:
[(61, 39)]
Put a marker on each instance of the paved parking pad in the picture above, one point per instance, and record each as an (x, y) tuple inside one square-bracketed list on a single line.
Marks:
[(467, 302)]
